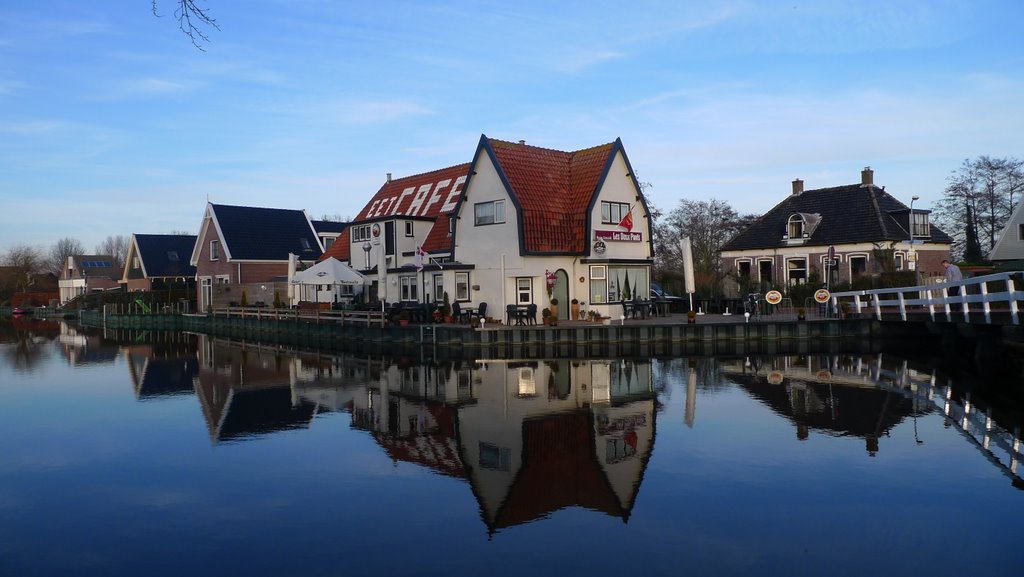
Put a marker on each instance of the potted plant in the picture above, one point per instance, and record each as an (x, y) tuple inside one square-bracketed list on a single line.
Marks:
[(691, 317), (801, 314), (245, 298), (403, 318), (554, 312), (446, 309), (574, 309), (545, 316)]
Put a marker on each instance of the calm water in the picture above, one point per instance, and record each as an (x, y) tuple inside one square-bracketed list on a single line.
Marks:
[(173, 454)]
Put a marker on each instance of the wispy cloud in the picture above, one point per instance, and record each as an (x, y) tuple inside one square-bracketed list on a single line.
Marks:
[(374, 111)]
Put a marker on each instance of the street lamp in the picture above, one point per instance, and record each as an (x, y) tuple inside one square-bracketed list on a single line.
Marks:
[(911, 260)]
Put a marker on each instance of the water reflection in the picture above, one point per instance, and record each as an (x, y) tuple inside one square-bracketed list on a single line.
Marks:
[(24, 341)]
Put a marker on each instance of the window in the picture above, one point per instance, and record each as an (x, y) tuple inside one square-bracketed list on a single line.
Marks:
[(438, 287), (764, 271), (796, 271), (328, 241), (462, 286), (858, 265), (408, 228), (598, 283), (921, 226), (492, 212), (223, 279), (409, 286), (172, 256), (1020, 232), (743, 269), (524, 290), (795, 226), (361, 233), (304, 243), (135, 261), (613, 212), (214, 250), (495, 458), (897, 261)]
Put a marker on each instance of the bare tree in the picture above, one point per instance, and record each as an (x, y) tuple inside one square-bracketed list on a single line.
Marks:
[(57, 258), (22, 263), (115, 246), (986, 188), (709, 224), (191, 20)]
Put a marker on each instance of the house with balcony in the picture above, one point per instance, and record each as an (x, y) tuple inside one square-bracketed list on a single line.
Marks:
[(518, 225), (243, 254), (160, 262), (836, 234)]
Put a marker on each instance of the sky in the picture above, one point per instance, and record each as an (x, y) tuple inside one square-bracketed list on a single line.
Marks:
[(113, 123)]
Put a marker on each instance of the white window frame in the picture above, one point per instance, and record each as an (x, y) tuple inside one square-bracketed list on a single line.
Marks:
[(613, 212), (789, 269), (747, 261), (462, 286), (214, 249), (855, 256), (598, 284), (524, 290), (408, 228), (490, 212), (410, 289), (796, 225)]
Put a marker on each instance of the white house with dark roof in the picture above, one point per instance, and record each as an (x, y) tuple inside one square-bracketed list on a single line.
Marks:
[(85, 274), (791, 243)]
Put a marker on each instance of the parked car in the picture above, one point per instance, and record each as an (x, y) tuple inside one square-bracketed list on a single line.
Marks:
[(675, 304)]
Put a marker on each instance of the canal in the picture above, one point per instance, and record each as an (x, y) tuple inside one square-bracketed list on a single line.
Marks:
[(157, 453)]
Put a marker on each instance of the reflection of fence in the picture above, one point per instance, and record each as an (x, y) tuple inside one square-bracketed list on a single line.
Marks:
[(981, 295)]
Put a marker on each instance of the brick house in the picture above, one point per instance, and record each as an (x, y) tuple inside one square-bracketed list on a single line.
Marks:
[(790, 244), (159, 262), (85, 274), (242, 253)]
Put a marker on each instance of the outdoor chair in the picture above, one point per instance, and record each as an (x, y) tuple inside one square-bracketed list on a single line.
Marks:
[(531, 314)]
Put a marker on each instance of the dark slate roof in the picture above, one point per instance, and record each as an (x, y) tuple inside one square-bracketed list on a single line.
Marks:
[(849, 214), (166, 255), (323, 226), (252, 233), (100, 266)]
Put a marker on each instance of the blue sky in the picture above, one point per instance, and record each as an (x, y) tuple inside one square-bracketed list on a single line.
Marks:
[(111, 122)]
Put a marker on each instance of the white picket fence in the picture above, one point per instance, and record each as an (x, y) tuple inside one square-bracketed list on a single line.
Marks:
[(976, 296)]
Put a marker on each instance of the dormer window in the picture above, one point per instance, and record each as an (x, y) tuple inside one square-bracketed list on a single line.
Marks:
[(922, 228), (305, 244), (800, 227), (795, 227)]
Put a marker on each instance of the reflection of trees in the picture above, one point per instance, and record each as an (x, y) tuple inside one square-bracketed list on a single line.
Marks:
[(23, 350)]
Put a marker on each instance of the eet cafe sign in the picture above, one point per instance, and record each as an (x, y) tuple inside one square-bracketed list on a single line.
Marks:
[(618, 236)]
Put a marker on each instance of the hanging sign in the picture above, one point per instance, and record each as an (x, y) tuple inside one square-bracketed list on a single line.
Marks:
[(773, 297), (775, 378), (619, 236), (821, 296)]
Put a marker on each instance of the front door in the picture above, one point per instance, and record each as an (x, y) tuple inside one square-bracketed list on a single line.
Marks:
[(561, 292)]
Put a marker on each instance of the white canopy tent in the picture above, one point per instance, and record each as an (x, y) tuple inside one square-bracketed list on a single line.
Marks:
[(326, 281)]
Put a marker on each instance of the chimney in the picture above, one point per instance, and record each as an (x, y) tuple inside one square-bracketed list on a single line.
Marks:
[(798, 187), (867, 177), (522, 142), (389, 177)]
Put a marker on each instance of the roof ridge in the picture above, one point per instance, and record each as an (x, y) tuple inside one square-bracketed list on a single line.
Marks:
[(568, 152), (420, 174)]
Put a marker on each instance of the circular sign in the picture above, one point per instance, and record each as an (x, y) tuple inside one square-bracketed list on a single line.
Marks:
[(775, 378), (773, 297), (824, 375), (600, 246), (375, 229), (822, 295)]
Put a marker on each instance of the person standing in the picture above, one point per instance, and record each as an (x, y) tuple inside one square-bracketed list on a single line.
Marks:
[(953, 274)]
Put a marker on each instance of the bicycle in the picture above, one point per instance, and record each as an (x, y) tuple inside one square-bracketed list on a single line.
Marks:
[(752, 306)]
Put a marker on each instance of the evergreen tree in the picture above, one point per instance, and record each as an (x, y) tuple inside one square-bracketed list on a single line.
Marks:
[(972, 247)]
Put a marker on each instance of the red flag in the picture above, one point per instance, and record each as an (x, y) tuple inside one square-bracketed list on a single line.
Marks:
[(627, 221), (420, 257)]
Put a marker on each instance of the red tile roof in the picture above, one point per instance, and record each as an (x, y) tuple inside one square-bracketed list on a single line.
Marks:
[(428, 195), (554, 191)]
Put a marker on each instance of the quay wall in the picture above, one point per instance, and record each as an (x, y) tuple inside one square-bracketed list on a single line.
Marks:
[(578, 339)]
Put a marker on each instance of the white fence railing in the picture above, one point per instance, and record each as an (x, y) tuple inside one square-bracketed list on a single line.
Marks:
[(974, 295)]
